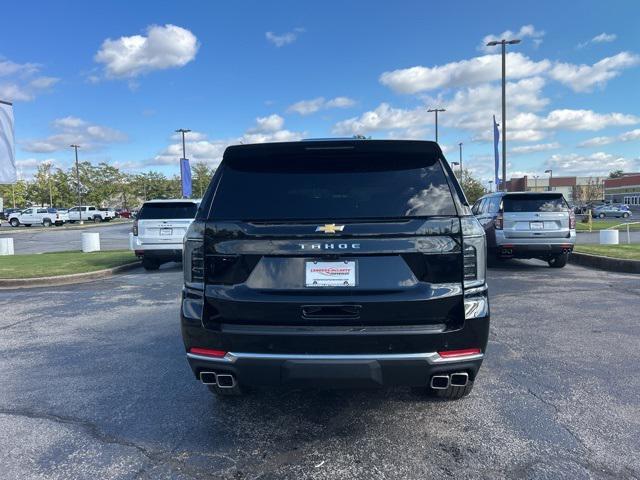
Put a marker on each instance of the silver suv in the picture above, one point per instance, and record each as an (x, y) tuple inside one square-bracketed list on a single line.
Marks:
[(527, 225)]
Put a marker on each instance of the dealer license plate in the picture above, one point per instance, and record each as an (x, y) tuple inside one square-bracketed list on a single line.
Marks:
[(330, 274)]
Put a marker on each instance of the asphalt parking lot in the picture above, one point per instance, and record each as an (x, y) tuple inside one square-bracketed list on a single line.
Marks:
[(95, 385), (59, 239)]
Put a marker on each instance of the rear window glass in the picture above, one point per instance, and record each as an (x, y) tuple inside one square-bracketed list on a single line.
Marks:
[(157, 211), (332, 187), (534, 203)]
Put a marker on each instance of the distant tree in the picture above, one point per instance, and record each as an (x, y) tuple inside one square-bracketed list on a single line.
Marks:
[(42, 186), (472, 187), (201, 175), (616, 173)]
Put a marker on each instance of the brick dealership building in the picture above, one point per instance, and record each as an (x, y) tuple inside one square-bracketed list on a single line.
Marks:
[(574, 189), (624, 189)]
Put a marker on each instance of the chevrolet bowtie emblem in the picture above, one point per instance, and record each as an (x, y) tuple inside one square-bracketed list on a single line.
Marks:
[(330, 228)]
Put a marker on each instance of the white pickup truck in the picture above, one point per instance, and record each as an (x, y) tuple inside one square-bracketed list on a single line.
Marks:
[(91, 214), (38, 216)]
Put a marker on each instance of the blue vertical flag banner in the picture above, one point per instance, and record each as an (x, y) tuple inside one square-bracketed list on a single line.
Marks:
[(496, 141), (185, 173), (8, 173)]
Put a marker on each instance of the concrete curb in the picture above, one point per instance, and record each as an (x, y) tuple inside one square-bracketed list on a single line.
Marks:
[(9, 283), (13, 231), (605, 263)]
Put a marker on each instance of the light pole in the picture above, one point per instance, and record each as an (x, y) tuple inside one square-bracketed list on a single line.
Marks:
[(184, 152), (535, 179), (490, 186), (76, 147), (456, 164), (436, 110), (461, 169), (504, 44), (550, 172)]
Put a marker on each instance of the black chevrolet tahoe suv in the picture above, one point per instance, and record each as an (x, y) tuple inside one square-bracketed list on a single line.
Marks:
[(337, 263)]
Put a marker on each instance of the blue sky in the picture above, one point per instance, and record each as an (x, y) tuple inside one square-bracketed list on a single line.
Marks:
[(119, 77)]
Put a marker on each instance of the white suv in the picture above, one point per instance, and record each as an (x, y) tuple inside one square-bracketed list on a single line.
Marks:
[(159, 230)]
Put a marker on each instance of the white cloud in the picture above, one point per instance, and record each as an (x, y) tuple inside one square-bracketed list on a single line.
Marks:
[(602, 38), (539, 147), (599, 163), (163, 47), (71, 130), (526, 31), (629, 136), (583, 78), (486, 68), (285, 38), (22, 82), (574, 120), (307, 107), (272, 123)]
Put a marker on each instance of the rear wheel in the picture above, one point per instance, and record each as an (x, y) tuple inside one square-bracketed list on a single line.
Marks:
[(625, 215), (46, 222), (451, 393), (150, 264), (558, 261), (602, 215), (97, 219)]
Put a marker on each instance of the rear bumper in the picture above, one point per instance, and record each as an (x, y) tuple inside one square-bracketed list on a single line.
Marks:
[(335, 370), (533, 247), (334, 356), (139, 244)]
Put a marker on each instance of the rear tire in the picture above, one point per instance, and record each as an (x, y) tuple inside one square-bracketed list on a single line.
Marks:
[(451, 393), (558, 261), (602, 215), (150, 264), (625, 215), (97, 219), (46, 222)]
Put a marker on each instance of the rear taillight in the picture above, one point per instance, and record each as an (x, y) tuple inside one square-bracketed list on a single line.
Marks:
[(474, 251), (135, 228), (467, 352), (207, 352), (193, 256), (572, 220), (499, 221)]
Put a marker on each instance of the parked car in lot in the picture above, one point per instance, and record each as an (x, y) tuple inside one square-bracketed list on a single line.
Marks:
[(616, 211), (527, 225), (8, 211), (159, 229), (38, 216), (90, 213), (122, 213), (335, 263)]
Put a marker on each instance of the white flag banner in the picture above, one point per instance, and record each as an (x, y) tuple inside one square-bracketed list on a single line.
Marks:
[(8, 172)]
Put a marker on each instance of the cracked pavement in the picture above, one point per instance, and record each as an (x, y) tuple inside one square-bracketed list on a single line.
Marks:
[(94, 384)]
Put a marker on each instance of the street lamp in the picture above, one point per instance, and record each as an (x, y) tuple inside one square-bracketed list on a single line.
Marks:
[(550, 172), (184, 152), (455, 164), (504, 44), (461, 169), (436, 110), (76, 147), (490, 186)]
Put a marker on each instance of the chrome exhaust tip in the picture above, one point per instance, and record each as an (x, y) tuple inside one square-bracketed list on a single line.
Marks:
[(459, 379), (440, 382), (225, 380), (208, 378)]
